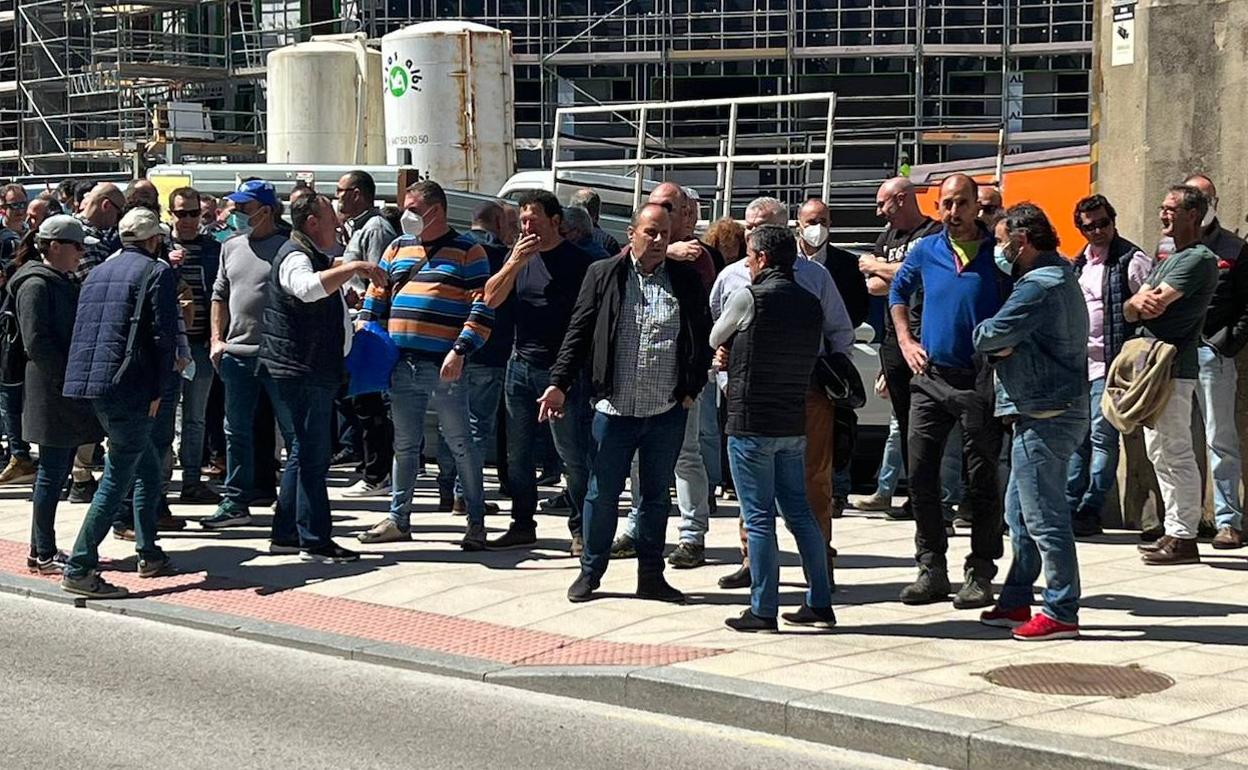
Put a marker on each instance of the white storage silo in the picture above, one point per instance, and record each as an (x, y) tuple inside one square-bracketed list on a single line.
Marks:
[(325, 103), (449, 103)]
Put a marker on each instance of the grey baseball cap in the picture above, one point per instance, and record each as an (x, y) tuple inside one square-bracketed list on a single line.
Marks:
[(63, 227)]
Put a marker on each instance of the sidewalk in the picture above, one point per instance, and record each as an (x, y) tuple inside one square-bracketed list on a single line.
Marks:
[(897, 680)]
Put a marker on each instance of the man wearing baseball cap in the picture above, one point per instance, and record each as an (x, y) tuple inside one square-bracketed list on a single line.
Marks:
[(239, 298), (46, 297), (121, 358)]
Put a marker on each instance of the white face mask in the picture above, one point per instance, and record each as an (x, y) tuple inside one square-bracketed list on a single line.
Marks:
[(413, 223), (815, 235), (1211, 214)]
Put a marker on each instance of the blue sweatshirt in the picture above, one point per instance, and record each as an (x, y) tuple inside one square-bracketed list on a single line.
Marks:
[(955, 298)]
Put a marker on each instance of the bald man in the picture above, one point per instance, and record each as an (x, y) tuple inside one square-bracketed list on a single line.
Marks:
[(896, 203), (814, 222), (101, 211), (1224, 336), (952, 385), (990, 206)]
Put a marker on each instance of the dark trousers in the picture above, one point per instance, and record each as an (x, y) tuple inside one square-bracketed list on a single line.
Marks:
[(303, 492), (376, 435), (939, 400), (897, 375)]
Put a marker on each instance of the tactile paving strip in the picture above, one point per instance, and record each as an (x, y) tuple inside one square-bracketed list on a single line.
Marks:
[(381, 623)]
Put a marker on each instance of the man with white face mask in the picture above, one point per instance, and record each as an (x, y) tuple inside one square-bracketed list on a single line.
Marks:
[(813, 229), (1224, 336)]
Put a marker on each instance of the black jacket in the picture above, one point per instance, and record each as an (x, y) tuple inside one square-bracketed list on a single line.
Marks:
[(1226, 322), (302, 339), (47, 301), (592, 331)]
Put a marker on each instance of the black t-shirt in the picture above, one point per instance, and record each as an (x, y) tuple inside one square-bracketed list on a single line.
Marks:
[(545, 293), (893, 246)]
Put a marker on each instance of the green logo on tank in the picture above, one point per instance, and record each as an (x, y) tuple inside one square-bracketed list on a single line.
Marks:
[(401, 77)]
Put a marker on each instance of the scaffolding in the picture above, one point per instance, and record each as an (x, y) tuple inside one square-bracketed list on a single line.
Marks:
[(900, 68)]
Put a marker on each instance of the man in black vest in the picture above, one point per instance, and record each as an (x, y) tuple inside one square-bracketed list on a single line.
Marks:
[(304, 341), (774, 330), (1110, 269)]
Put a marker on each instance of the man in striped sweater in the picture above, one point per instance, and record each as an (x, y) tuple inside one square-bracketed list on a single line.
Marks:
[(434, 308)]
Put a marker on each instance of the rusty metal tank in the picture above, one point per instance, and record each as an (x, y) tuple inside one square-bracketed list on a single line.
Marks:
[(449, 103)]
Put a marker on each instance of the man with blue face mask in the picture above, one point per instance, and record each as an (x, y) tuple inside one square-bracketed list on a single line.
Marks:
[(239, 297), (1039, 342)]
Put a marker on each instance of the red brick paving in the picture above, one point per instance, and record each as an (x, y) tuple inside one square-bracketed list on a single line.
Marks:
[(379, 622)]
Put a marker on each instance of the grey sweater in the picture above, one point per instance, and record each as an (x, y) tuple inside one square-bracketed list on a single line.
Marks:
[(241, 284)]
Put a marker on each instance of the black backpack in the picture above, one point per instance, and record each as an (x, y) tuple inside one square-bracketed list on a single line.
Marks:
[(12, 349)]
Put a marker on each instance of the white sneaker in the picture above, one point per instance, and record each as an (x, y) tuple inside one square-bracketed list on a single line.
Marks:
[(362, 488)]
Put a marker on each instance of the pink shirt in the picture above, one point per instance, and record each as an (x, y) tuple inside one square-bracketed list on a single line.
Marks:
[(1092, 283)]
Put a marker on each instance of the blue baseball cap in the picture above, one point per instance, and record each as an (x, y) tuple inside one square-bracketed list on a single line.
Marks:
[(256, 190)]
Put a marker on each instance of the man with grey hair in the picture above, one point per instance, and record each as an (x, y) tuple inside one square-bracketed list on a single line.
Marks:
[(592, 202), (578, 229), (1171, 306), (838, 337)]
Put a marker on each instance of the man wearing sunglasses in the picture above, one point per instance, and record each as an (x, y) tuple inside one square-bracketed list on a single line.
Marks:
[(1110, 269), (197, 258), (13, 212), (991, 208)]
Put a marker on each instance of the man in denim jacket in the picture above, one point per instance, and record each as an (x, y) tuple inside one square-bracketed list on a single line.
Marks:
[(1039, 341)]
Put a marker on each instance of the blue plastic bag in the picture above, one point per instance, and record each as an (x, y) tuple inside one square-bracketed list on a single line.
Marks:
[(371, 360)]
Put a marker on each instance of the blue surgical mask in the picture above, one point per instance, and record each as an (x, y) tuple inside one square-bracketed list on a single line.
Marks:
[(240, 222), (1003, 262)]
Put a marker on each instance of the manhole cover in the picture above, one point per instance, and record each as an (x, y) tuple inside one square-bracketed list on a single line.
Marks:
[(1080, 679)]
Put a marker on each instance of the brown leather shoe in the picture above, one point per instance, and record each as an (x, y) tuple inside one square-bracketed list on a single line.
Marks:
[(1154, 546), (1228, 538), (1174, 551)]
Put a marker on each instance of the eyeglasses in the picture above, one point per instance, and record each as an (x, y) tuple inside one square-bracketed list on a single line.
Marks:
[(14, 206), (1100, 224), (187, 213)]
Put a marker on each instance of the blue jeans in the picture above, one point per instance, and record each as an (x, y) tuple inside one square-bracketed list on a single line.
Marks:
[(769, 474), (708, 434), (414, 387), (656, 442), (309, 403), (132, 458), (54, 465), (1094, 465), (692, 490), (242, 389), (194, 408), (1215, 392), (525, 383), (1039, 518), (891, 466), (11, 412), (485, 388), (163, 428)]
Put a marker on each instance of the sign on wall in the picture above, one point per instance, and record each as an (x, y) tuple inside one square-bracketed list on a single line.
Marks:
[(1122, 35)]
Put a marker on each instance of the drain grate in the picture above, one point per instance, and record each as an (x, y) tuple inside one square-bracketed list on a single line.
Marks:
[(1080, 679)]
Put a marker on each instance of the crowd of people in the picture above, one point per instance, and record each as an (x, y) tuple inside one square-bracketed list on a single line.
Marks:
[(720, 366)]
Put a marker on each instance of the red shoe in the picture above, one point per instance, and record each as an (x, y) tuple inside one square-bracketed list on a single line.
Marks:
[(1042, 628), (999, 618)]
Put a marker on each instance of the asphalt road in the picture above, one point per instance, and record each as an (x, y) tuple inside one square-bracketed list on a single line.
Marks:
[(86, 689)]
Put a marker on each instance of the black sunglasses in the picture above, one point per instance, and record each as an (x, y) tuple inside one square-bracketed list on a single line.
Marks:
[(1099, 224), (188, 213)]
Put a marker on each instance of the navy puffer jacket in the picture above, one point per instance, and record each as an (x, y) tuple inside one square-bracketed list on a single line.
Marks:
[(105, 307)]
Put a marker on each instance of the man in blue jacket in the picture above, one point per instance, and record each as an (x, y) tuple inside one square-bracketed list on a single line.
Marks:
[(951, 385), (1039, 340), (121, 359)]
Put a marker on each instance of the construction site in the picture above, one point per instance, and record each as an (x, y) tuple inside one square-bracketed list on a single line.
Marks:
[(98, 87)]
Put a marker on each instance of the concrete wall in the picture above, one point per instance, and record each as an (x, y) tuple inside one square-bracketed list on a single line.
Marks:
[(1181, 107)]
